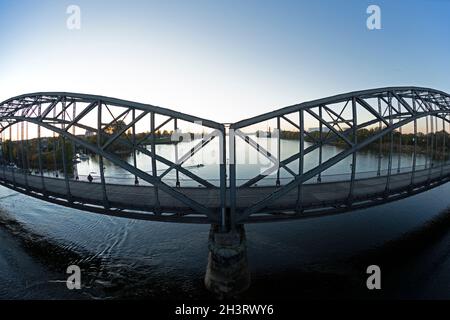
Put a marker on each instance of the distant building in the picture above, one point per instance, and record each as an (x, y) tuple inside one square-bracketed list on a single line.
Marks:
[(89, 133), (44, 143), (316, 129)]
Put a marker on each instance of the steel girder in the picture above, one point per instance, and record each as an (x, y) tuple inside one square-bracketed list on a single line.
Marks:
[(51, 111), (394, 107), (413, 103)]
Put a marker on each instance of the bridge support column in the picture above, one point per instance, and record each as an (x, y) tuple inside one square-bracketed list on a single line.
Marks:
[(227, 273)]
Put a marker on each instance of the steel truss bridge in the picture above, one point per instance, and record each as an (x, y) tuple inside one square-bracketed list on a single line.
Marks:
[(295, 184)]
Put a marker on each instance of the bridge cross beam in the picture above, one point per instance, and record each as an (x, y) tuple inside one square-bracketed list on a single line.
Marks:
[(52, 111)]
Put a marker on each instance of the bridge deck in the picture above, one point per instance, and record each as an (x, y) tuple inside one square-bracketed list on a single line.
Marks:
[(142, 198)]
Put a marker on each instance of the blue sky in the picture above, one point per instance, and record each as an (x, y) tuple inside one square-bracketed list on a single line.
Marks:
[(222, 60)]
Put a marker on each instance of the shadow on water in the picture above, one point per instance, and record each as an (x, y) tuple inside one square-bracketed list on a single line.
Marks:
[(101, 278), (398, 258), (343, 279), (115, 278)]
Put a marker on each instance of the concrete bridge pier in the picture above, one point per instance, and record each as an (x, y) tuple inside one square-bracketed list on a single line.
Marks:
[(227, 273)]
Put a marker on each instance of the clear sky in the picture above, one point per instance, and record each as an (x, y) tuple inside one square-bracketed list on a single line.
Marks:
[(222, 60)]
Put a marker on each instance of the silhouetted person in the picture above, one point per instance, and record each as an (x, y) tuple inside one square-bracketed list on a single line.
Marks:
[(89, 177)]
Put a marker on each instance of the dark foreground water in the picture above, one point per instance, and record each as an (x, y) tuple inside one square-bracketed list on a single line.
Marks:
[(318, 258)]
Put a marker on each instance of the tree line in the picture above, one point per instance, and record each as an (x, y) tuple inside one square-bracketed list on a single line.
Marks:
[(402, 142)]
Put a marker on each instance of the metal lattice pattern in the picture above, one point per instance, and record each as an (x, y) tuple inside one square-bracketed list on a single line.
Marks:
[(339, 119), (389, 108), (61, 113)]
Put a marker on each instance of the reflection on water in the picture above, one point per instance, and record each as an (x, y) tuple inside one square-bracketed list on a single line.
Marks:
[(128, 258), (251, 163)]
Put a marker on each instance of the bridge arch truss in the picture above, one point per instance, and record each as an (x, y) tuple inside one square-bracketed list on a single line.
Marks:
[(66, 114), (340, 119), (352, 122)]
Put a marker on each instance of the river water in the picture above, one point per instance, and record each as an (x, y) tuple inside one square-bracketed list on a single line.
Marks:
[(323, 257)]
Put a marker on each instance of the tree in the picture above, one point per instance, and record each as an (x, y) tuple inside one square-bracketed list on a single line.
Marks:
[(115, 127)]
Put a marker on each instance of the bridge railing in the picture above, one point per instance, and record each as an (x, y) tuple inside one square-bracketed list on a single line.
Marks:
[(129, 179), (376, 119), (45, 130), (106, 127)]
